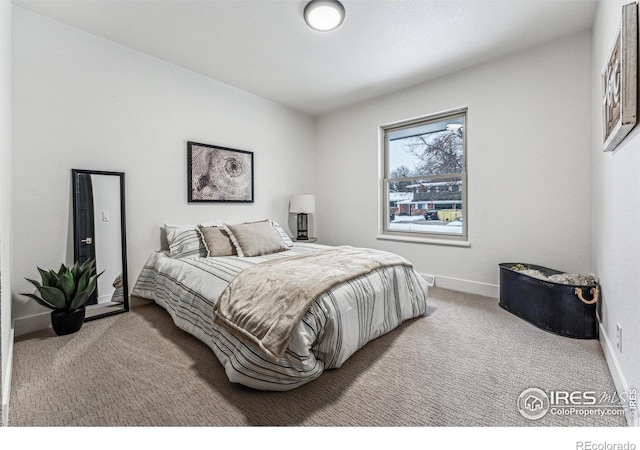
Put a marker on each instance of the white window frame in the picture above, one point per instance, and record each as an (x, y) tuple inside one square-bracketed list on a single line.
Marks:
[(421, 236)]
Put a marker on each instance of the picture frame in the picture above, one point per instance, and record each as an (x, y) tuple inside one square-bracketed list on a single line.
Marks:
[(219, 174), (619, 81)]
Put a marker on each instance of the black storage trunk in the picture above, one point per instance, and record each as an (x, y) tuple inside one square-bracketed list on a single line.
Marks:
[(554, 307)]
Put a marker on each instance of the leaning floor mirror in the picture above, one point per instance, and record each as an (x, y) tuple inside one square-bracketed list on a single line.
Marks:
[(99, 233)]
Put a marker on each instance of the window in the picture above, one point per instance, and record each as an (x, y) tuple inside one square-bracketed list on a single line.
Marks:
[(423, 186)]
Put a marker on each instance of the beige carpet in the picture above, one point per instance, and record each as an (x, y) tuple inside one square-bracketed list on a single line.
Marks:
[(465, 364)]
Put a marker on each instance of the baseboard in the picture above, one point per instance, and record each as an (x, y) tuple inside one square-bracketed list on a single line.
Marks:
[(105, 298), (29, 324), (430, 279), (6, 381), (471, 287), (618, 376)]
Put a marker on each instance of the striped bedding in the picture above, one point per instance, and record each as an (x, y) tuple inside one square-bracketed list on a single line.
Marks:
[(338, 323)]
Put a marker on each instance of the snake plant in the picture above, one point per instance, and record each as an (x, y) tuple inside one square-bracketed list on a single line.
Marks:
[(68, 289)]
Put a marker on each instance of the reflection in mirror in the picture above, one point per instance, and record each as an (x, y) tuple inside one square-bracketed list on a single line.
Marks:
[(99, 233)]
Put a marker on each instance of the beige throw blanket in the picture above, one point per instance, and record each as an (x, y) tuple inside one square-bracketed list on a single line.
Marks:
[(264, 303)]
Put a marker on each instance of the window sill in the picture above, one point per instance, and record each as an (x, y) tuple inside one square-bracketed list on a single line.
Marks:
[(424, 240)]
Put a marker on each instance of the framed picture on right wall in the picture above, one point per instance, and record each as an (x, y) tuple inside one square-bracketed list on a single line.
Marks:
[(619, 81)]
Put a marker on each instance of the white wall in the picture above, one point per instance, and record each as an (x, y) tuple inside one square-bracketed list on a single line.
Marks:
[(616, 215), (540, 189), (6, 339), (528, 160), (86, 103)]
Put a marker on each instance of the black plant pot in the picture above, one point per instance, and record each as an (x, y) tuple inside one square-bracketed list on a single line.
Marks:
[(65, 322)]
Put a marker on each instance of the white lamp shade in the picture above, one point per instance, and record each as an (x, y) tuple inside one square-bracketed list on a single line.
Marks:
[(302, 203)]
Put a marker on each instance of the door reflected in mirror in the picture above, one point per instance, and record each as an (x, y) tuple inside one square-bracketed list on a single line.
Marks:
[(99, 233)]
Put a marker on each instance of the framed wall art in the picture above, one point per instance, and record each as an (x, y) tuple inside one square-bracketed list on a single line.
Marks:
[(619, 81), (219, 174)]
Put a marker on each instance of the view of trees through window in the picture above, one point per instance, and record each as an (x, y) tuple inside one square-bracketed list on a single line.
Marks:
[(425, 176)]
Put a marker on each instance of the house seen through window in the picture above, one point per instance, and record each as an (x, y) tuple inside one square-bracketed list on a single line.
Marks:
[(425, 175)]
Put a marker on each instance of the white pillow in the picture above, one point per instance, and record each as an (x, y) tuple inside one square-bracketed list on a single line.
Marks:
[(173, 230), (283, 234)]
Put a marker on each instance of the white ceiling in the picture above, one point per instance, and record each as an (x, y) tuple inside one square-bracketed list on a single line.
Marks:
[(264, 46)]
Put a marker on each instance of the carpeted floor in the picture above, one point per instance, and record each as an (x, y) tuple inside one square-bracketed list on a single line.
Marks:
[(464, 364)]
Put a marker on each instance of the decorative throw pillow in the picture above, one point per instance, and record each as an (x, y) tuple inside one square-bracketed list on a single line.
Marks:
[(256, 238), (216, 241), (283, 234)]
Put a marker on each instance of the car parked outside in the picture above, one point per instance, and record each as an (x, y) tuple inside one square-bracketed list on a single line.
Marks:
[(432, 214)]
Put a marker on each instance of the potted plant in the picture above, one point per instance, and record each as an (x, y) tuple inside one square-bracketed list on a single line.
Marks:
[(66, 292)]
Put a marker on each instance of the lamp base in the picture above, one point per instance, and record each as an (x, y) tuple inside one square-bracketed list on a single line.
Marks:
[(303, 234)]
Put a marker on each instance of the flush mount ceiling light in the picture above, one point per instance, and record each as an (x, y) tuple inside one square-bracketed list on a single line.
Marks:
[(324, 15)]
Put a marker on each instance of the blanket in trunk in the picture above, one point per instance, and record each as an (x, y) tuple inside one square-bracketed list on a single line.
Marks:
[(264, 303)]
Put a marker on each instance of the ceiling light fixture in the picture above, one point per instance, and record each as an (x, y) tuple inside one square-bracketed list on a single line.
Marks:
[(324, 15)]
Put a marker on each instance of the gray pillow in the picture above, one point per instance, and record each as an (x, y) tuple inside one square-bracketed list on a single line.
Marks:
[(256, 238), (216, 241)]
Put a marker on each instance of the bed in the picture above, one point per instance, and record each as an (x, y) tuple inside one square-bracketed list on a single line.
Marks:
[(192, 283)]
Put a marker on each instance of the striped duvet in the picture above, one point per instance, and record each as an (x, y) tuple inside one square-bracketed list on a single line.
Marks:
[(338, 323)]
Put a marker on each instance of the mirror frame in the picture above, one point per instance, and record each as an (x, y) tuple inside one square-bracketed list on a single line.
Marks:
[(76, 242)]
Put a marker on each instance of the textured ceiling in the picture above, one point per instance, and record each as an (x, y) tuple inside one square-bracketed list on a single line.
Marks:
[(264, 46)]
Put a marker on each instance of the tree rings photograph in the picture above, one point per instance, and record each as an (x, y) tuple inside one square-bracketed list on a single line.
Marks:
[(219, 174)]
